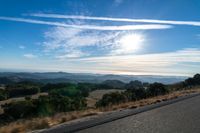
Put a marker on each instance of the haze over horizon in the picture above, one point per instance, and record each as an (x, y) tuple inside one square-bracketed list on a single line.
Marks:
[(148, 37)]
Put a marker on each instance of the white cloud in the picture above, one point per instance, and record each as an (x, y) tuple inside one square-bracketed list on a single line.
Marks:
[(168, 58), (91, 27), (68, 42), (184, 62), (156, 21), (30, 56), (22, 47), (179, 62), (72, 54)]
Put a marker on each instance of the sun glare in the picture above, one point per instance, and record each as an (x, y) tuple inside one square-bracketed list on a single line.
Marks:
[(131, 43)]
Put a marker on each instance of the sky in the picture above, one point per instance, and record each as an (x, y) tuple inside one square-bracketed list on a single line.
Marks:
[(134, 37)]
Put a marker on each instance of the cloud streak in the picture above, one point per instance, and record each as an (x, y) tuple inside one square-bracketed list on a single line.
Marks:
[(157, 59), (30, 56), (156, 21), (181, 62), (22, 47), (157, 63), (91, 27)]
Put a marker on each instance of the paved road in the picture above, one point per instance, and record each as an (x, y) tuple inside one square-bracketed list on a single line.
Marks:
[(180, 117)]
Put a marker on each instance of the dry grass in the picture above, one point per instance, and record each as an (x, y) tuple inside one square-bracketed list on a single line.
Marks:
[(22, 126)]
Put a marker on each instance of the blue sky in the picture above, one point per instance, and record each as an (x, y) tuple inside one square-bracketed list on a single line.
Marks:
[(148, 37)]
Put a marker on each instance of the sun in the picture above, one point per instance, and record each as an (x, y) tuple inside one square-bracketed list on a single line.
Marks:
[(130, 43)]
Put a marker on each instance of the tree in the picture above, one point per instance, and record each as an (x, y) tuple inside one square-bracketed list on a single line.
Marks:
[(48, 87), (18, 92), (192, 81), (85, 88), (3, 94), (197, 79), (136, 93), (156, 89), (23, 89), (134, 84), (111, 98), (20, 109)]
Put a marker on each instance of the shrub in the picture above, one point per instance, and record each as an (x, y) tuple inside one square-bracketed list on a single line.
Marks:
[(134, 85), (20, 109), (18, 92), (136, 94), (111, 98), (43, 106), (3, 95), (156, 89), (49, 87), (193, 81), (78, 103)]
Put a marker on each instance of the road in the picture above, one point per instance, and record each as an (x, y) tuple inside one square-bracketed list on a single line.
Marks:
[(179, 117)]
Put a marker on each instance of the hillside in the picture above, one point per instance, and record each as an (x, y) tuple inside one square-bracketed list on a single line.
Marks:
[(54, 77)]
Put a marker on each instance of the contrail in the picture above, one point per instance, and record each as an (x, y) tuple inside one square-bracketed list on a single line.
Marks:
[(91, 27), (192, 23)]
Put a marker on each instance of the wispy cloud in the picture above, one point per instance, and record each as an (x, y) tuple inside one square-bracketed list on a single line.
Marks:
[(180, 62), (22, 47), (73, 43), (91, 27), (160, 63), (156, 21), (30, 56), (168, 58), (72, 54)]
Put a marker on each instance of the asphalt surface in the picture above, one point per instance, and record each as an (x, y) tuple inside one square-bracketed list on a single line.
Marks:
[(179, 117)]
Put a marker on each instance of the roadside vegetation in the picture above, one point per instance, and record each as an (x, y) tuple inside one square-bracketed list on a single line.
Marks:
[(133, 93), (68, 101), (136, 90)]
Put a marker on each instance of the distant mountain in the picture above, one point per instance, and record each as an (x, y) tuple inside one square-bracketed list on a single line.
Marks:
[(55, 77)]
